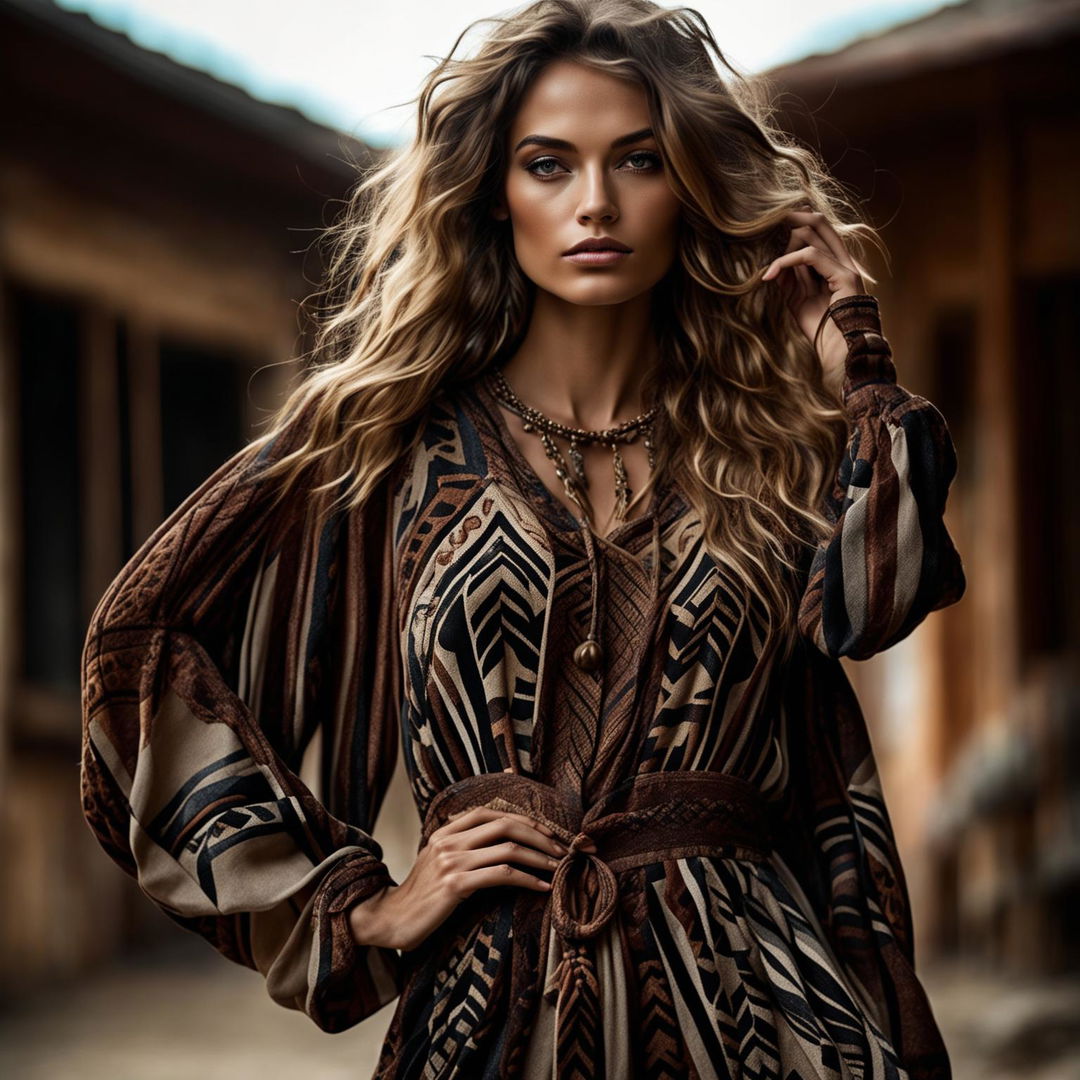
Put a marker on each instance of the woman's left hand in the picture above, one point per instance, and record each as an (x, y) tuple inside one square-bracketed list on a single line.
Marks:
[(815, 271)]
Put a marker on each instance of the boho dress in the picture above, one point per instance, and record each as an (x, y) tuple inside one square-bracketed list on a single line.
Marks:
[(745, 912)]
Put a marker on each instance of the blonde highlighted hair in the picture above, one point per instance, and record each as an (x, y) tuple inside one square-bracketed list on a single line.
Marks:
[(423, 290)]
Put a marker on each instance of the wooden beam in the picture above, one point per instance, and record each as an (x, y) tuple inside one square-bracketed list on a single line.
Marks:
[(147, 483)]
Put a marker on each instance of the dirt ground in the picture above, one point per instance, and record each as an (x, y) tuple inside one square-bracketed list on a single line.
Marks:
[(184, 1013)]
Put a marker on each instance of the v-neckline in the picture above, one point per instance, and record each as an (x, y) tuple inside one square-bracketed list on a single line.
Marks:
[(556, 512)]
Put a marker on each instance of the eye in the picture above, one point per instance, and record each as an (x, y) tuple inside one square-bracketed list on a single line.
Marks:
[(651, 160), (538, 167)]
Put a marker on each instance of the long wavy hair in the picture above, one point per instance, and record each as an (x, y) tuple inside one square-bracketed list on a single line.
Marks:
[(423, 290)]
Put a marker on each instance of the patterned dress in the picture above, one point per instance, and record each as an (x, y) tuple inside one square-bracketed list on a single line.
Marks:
[(439, 621)]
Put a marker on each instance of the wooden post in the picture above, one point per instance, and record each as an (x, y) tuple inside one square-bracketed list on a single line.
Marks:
[(99, 454), (995, 563), (996, 558), (147, 483)]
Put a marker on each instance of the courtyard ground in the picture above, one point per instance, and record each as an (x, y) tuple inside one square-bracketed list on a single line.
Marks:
[(183, 1013)]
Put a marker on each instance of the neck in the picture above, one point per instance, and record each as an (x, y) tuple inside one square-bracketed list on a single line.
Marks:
[(584, 365)]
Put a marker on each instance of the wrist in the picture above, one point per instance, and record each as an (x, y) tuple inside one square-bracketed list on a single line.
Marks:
[(869, 355), (365, 919)]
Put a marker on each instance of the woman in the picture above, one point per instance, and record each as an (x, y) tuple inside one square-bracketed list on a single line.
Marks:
[(653, 838)]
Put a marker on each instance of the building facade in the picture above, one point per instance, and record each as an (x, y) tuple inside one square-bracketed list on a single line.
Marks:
[(155, 245), (960, 134)]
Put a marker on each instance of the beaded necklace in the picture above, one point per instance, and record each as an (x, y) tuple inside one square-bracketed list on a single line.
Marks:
[(573, 475), (588, 654)]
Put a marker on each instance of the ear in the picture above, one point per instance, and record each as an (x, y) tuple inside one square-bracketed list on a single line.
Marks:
[(499, 211)]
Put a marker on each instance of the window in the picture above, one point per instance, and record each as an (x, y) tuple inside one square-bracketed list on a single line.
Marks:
[(202, 414), (1047, 385), (954, 335), (46, 334)]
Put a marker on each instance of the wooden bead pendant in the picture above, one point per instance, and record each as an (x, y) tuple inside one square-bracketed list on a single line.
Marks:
[(588, 655)]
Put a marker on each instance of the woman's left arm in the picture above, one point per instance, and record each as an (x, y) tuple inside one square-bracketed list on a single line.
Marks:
[(889, 560)]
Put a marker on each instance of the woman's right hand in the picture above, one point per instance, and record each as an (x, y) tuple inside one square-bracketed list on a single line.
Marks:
[(473, 850)]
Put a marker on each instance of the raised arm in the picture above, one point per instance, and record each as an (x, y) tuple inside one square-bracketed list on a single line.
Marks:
[(889, 561), (208, 665)]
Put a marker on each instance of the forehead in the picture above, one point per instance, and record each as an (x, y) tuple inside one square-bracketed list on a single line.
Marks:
[(567, 96)]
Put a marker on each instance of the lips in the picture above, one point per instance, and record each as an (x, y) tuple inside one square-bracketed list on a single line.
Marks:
[(597, 243)]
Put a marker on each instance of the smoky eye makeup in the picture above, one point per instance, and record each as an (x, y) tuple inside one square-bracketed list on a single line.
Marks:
[(655, 160), (540, 167)]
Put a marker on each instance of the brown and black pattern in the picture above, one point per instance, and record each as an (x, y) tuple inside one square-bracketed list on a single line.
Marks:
[(439, 621)]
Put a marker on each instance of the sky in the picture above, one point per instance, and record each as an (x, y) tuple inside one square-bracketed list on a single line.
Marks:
[(355, 64)]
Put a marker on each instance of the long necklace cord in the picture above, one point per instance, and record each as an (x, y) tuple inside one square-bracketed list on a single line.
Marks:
[(588, 655), (572, 474)]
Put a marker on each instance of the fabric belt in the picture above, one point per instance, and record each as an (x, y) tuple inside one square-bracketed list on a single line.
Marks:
[(649, 818)]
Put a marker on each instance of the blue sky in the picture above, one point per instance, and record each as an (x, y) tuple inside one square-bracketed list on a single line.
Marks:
[(354, 64)]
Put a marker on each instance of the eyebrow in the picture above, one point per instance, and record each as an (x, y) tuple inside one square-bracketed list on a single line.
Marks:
[(562, 144)]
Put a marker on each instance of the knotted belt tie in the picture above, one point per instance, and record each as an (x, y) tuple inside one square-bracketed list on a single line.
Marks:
[(649, 818)]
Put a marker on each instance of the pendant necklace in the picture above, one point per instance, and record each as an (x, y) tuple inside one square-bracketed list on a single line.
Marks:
[(572, 474), (588, 655)]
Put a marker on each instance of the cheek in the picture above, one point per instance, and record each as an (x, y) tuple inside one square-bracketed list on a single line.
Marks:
[(662, 211), (531, 212)]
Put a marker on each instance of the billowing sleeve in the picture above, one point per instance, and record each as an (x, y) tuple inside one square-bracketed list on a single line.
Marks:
[(833, 830), (231, 636), (889, 560)]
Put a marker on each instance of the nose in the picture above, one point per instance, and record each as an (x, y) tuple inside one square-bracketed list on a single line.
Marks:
[(597, 203)]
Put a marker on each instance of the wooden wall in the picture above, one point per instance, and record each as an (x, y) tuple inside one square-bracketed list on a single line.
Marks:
[(968, 168), (153, 227)]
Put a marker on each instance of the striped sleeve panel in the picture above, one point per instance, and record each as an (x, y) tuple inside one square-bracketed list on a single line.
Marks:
[(889, 561), (200, 689)]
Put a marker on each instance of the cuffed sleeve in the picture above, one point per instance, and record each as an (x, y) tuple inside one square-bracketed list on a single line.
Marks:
[(889, 560), (209, 664)]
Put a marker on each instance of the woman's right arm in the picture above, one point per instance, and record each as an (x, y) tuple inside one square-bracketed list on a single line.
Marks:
[(208, 665), (474, 850)]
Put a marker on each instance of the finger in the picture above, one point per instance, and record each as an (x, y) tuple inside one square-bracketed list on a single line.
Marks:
[(793, 241), (826, 265), (816, 224), (465, 819), (799, 238), (490, 832), (832, 241), (507, 852), (809, 238), (487, 876)]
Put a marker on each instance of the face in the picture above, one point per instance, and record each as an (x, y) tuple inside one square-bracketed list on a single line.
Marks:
[(583, 165)]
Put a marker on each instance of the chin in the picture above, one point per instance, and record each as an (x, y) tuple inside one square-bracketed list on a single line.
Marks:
[(596, 293)]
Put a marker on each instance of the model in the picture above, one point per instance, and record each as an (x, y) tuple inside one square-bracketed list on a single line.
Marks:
[(601, 467)]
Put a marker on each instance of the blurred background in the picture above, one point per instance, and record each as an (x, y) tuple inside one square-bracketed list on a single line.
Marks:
[(165, 168)]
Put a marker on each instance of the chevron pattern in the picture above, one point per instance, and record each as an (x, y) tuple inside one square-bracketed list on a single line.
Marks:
[(440, 620), (723, 968)]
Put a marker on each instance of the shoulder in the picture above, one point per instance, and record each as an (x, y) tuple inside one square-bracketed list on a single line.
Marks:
[(454, 438), (447, 455)]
